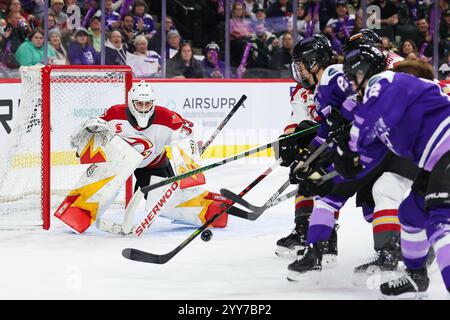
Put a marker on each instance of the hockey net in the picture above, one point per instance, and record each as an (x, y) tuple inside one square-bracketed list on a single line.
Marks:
[(40, 167)]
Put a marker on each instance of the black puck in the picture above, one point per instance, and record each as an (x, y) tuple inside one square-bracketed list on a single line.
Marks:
[(206, 235)]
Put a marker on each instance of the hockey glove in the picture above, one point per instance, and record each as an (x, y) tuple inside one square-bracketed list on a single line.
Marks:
[(346, 162), (309, 180), (288, 151), (338, 126)]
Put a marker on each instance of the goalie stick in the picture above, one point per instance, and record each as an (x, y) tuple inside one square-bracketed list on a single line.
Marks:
[(255, 211), (126, 227), (143, 256)]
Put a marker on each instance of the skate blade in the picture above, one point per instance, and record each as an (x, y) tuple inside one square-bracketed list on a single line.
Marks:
[(374, 279), (329, 261), (287, 253), (310, 276), (406, 296)]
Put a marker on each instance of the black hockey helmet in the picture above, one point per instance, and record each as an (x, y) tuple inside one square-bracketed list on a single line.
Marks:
[(311, 51), (364, 62), (363, 36)]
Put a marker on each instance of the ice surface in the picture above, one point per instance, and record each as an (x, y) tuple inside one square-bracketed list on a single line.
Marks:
[(238, 263)]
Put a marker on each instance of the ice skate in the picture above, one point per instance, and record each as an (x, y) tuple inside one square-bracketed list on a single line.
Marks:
[(412, 285), (306, 266), (287, 247)]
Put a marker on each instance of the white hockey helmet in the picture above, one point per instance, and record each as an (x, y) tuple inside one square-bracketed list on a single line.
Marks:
[(140, 102)]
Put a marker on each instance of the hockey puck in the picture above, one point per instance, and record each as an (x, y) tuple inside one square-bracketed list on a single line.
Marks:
[(206, 235)]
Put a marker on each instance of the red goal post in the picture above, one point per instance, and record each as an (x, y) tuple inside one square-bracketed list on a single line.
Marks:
[(40, 167)]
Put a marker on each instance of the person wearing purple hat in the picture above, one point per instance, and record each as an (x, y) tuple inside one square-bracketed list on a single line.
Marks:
[(81, 52)]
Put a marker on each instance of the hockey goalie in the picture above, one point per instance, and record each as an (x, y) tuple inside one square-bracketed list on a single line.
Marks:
[(132, 139)]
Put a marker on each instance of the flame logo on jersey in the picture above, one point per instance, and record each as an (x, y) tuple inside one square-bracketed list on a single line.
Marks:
[(88, 155), (145, 144), (79, 197)]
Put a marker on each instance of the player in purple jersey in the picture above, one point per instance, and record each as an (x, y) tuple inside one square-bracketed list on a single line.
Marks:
[(382, 203), (411, 117)]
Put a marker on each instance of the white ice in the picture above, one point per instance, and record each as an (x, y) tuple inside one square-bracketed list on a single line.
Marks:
[(238, 263)]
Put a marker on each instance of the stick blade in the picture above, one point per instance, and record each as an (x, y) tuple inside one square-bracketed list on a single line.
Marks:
[(142, 256)]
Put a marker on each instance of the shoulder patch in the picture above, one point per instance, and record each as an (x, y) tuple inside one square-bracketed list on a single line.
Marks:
[(332, 72)]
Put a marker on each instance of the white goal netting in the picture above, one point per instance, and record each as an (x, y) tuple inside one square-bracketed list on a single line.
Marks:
[(75, 95)]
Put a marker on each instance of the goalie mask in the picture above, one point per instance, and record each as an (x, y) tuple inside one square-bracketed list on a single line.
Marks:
[(140, 103)]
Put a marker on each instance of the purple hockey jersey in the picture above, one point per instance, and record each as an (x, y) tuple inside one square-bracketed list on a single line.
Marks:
[(410, 116)]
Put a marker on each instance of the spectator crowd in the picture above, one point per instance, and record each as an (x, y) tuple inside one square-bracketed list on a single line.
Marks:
[(261, 33)]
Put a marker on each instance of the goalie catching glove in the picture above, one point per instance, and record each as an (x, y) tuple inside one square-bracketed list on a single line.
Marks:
[(94, 128)]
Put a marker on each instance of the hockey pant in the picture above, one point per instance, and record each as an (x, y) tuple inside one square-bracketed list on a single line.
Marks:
[(143, 175), (425, 219)]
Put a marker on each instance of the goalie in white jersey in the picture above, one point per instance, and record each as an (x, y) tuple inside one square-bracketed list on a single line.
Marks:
[(149, 129)]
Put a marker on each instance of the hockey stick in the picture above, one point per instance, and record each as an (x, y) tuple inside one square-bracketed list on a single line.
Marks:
[(244, 154), (143, 256), (257, 211), (223, 123), (127, 225)]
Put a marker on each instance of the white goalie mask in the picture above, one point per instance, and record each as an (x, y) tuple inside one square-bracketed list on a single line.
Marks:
[(140, 102)]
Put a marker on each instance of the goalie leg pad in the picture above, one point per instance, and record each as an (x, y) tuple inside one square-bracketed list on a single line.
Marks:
[(99, 185)]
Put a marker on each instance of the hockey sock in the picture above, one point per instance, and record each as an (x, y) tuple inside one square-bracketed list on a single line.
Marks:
[(439, 235), (386, 226), (415, 245), (323, 219)]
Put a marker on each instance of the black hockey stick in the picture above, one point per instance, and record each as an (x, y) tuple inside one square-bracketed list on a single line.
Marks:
[(244, 154), (143, 256), (223, 123), (257, 211)]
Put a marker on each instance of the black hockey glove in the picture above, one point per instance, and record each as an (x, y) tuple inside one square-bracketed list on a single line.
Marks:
[(346, 162), (289, 150), (309, 179), (338, 126)]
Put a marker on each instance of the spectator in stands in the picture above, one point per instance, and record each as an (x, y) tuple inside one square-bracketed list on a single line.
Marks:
[(260, 16), (54, 41), (3, 8), (409, 12), (387, 44), (115, 51), (128, 31), (19, 31), (173, 43), (30, 52), (388, 19), (309, 20), (184, 65), (240, 32), (264, 44), (408, 50), (213, 26), (425, 41), (251, 6), (336, 45), (282, 57), (213, 67), (342, 23), (112, 18), (81, 51), (144, 63), (444, 43), (155, 42), (51, 20), (95, 32), (56, 8), (143, 21), (277, 16)]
